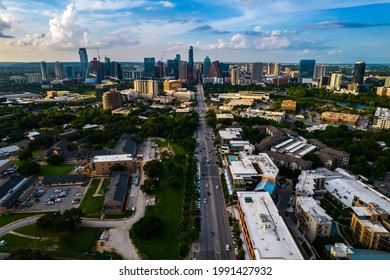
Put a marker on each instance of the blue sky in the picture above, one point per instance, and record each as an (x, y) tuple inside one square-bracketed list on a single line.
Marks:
[(330, 31)]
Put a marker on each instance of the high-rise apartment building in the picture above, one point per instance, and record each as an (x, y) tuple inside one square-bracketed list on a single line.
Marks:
[(234, 75), (33, 78), (206, 66), (69, 72), (148, 87), (59, 70), (257, 73), (306, 69), (273, 69), (112, 99), (387, 82), (44, 73), (335, 81), (319, 71), (83, 62), (358, 72), (159, 69), (182, 70), (149, 67)]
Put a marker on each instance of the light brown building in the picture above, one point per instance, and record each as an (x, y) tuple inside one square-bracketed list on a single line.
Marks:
[(289, 105), (340, 118), (102, 164), (368, 227), (172, 85), (112, 99)]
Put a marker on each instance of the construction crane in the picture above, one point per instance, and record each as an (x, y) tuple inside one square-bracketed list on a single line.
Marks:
[(162, 56), (98, 54)]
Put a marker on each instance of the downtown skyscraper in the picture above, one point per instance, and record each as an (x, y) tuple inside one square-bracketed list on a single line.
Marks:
[(190, 70), (358, 72), (149, 67), (44, 73), (83, 61)]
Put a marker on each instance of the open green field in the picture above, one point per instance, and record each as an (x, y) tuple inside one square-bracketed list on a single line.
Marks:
[(92, 206), (58, 169), (12, 217), (81, 241), (168, 208)]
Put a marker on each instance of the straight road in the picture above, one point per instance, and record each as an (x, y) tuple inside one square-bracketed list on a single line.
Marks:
[(215, 229)]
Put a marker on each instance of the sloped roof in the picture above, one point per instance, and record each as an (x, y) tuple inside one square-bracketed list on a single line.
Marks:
[(117, 190)]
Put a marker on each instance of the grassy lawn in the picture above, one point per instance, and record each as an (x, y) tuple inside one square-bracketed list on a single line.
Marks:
[(53, 170), (92, 206), (106, 182), (161, 143), (37, 152), (168, 208), (12, 217), (82, 240), (127, 214)]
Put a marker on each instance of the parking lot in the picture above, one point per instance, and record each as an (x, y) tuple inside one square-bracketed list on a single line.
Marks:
[(61, 197)]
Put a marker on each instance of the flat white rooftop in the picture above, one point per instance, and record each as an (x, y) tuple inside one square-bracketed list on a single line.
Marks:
[(309, 205), (307, 182), (268, 232), (246, 165), (376, 227), (345, 189), (107, 158)]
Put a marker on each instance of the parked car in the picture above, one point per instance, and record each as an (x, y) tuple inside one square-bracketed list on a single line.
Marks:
[(76, 201), (49, 202)]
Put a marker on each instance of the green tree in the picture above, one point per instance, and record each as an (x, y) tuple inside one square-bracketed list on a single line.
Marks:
[(153, 169), (28, 168), (150, 186), (29, 254), (55, 159), (25, 155), (148, 227)]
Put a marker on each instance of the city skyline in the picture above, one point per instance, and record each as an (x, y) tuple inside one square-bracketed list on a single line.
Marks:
[(243, 31)]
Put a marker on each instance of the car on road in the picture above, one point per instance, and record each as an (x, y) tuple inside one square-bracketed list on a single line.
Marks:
[(204, 200), (227, 247)]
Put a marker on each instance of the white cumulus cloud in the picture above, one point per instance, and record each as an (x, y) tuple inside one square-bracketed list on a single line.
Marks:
[(64, 30), (167, 4), (6, 22)]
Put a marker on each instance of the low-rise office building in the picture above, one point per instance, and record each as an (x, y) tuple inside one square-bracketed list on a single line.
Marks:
[(257, 172), (266, 235), (340, 118), (102, 164), (116, 193)]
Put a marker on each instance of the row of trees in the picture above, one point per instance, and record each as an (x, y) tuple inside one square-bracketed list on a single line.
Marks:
[(66, 221), (369, 98)]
